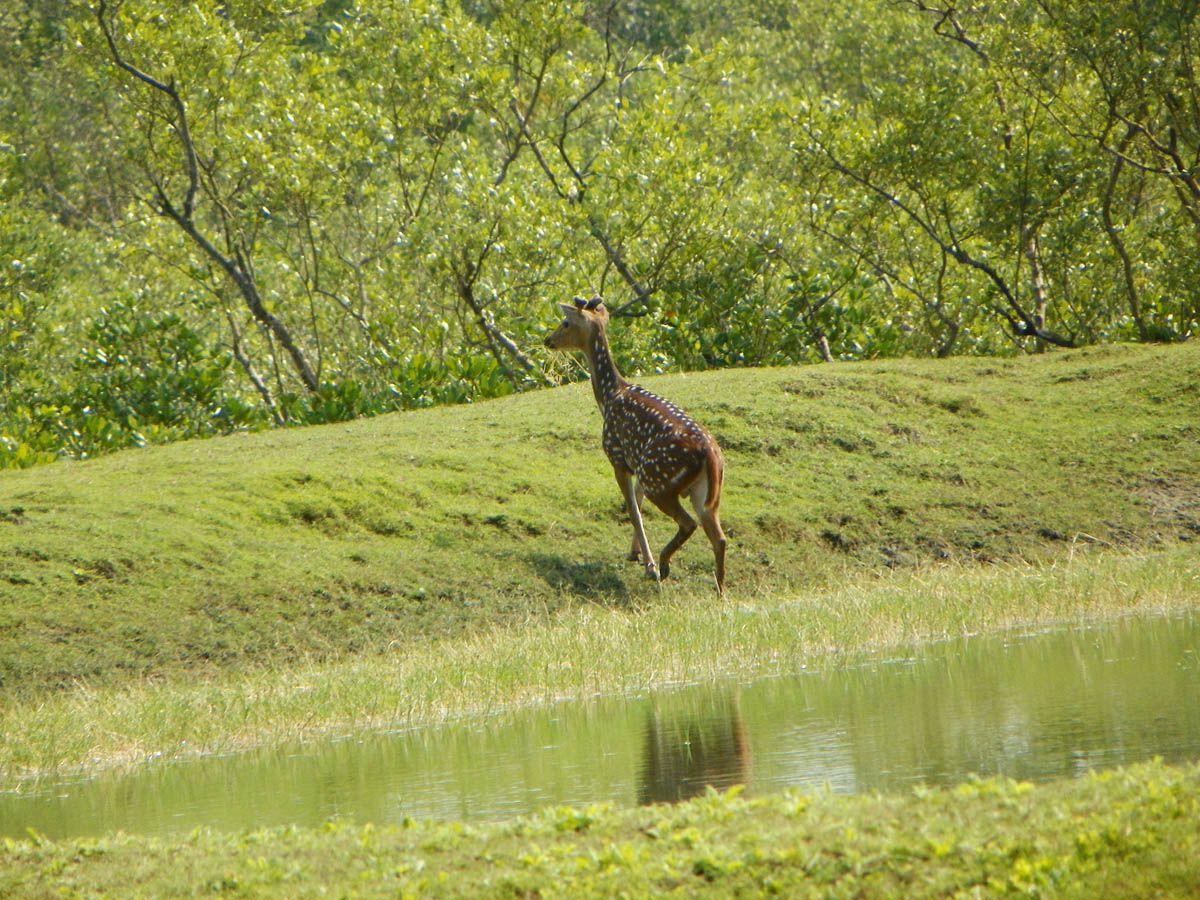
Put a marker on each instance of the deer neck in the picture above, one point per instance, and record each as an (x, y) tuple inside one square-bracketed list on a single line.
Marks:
[(606, 380)]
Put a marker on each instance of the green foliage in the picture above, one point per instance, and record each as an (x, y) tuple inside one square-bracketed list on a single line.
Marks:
[(139, 379), (146, 378), (361, 209), (414, 383), (31, 252)]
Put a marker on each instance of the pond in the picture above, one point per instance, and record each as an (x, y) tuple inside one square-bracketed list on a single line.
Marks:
[(1030, 706)]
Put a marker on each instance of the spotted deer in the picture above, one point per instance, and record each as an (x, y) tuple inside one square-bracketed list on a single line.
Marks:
[(656, 450)]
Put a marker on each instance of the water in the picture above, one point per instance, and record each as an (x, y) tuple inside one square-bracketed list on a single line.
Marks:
[(1032, 707)]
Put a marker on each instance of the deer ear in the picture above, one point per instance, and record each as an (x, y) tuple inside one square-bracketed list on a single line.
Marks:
[(571, 311)]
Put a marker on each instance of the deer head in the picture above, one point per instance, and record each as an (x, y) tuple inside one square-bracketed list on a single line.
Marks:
[(583, 319)]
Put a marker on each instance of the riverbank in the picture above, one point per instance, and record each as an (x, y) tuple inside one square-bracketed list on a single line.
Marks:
[(581, 652), (1128, 833)]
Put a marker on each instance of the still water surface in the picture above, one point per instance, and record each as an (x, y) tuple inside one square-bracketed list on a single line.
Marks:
[(1031, 706)]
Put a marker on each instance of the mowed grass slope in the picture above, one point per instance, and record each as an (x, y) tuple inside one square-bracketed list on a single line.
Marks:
[(300, 544)]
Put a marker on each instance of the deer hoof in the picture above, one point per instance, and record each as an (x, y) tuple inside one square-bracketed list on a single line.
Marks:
[(664, 569), (652, 572), (633, 556)]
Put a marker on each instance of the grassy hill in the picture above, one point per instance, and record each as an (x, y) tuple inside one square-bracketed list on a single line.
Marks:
[(299, 544)]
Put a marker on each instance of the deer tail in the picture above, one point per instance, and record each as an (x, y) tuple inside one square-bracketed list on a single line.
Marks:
[(715, 469)]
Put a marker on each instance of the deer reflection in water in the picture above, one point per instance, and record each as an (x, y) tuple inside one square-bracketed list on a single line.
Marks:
[(685, 752)]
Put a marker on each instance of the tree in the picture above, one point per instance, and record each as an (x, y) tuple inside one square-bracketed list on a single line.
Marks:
[(1139, 105)]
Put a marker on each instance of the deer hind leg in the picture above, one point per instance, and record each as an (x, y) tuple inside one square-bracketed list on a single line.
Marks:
[(671, 506), (711, 523), (630, 491)]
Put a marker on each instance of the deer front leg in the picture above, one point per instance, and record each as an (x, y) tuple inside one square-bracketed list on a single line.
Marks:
[(634, 550), (640, 544)]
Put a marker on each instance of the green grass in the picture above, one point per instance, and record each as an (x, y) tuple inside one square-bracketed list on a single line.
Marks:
[(224, 593), (1130, 833), (382, 534)]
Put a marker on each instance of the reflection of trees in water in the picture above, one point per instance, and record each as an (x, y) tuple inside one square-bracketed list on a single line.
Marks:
[(1041, 707), (687, 751)]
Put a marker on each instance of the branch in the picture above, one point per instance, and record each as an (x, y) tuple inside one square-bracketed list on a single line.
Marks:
[(889, 277), (465, 280), (946, 16), (523, 119), (248, 367), (561, 143), (415, 211), (641, 293), (523, 122), (167, 88), (1024, 324), (1118, 243), (237, 268), (238, 272)]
